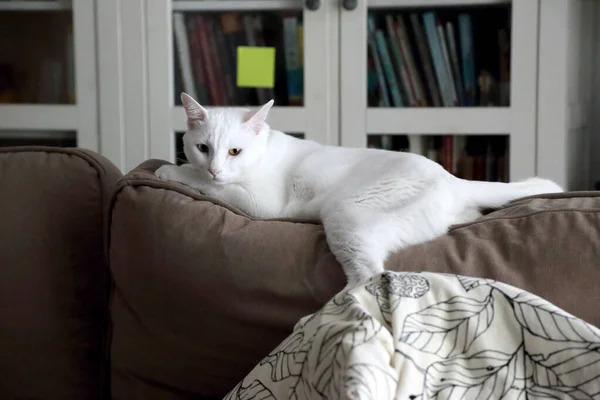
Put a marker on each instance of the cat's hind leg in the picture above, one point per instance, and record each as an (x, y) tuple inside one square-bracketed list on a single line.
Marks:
[(362, 238), (358, 240)]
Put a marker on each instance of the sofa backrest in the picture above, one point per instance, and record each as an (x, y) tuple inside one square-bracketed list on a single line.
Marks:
[(53, 275), (203, 292)]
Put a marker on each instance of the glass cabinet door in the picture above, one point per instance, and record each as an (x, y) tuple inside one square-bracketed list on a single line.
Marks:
[(447, 68), (242, 54), (48, 73)]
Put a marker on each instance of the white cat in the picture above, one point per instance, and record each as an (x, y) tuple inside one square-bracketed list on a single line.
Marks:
[(371, 202)]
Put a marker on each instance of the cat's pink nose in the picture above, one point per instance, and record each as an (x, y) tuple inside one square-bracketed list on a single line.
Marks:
[(213, 172)]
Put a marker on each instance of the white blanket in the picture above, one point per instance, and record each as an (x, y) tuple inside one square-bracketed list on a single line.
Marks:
[(431, 336)]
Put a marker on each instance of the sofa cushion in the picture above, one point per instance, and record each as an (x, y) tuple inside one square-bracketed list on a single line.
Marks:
[(202, 292), (53, 274)]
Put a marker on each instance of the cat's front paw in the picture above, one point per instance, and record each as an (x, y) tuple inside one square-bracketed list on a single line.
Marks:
[(166, 172)]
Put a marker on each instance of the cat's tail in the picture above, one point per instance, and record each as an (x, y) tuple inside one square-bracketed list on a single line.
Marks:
[(497, 194)]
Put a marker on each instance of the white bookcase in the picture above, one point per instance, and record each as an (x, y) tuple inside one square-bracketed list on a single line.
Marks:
[(40, 120)]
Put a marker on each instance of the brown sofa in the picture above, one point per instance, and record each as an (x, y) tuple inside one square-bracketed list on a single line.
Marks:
[(199, 292)]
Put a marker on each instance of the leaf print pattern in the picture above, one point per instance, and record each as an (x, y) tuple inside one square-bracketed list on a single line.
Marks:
[(468, 338), (470, 283), (448, 328), (549, 322)]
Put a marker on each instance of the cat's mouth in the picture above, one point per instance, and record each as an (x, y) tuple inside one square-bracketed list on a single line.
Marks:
[(216, 179)]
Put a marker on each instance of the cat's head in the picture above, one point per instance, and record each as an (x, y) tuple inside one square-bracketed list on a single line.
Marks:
[(223, 143)]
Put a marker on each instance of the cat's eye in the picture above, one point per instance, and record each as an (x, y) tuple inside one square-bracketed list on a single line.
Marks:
[(234, 152), (203, 148)]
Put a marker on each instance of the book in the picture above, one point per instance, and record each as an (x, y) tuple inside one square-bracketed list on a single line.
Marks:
[(425, 60), (384, 99), (401, 66), (217, 62), (210, 74), (183, 52), (453, 51), (467, 59), (197, 62), (446, 61), (388, 69), (413, 71), (430, 23), (292, 60)]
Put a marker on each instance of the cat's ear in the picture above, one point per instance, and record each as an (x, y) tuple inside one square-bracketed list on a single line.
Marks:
[(193, 110), (256, 120)]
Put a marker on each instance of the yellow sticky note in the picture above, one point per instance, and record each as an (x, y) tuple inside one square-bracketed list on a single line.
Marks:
[(256, 67)]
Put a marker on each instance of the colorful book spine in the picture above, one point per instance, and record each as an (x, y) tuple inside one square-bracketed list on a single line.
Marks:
[(234, 36), (210, 76), (446, 58), (292, 60), (217, 62), (426, 62), (385, 99), (388, 69), (197, 62), (467, 57), (429, 21), (400, 62), (402, 83), (413, 71), (183, 52), (229, 73), (454, 62)]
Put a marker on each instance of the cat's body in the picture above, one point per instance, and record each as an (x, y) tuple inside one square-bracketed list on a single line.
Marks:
[(371, 202)]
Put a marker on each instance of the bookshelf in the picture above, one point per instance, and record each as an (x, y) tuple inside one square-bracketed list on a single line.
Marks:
[(48, 73), (511, 115)]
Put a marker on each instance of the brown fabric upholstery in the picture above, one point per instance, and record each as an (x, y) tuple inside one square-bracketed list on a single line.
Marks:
[(202, 292), (53, 275)]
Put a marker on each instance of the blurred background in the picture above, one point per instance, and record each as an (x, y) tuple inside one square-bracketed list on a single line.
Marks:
[(492, 90)]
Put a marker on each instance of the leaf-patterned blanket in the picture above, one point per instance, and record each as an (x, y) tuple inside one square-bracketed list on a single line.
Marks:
[(431, 336)]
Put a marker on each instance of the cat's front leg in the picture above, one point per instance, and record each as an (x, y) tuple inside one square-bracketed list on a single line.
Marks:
[(182, 174), (231, 194), (187, 175)]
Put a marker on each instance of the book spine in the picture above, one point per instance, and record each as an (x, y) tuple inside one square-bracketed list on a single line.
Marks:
[(413, 71), (400, 61), (388, 69), (454, 61), (385, 100), (426, 62), (446, 60), (197, 61), (217, 61), (429, 21), (205, 45), (228, 68), (292, 60), (183, 51), (467, 57), (231, 28)]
